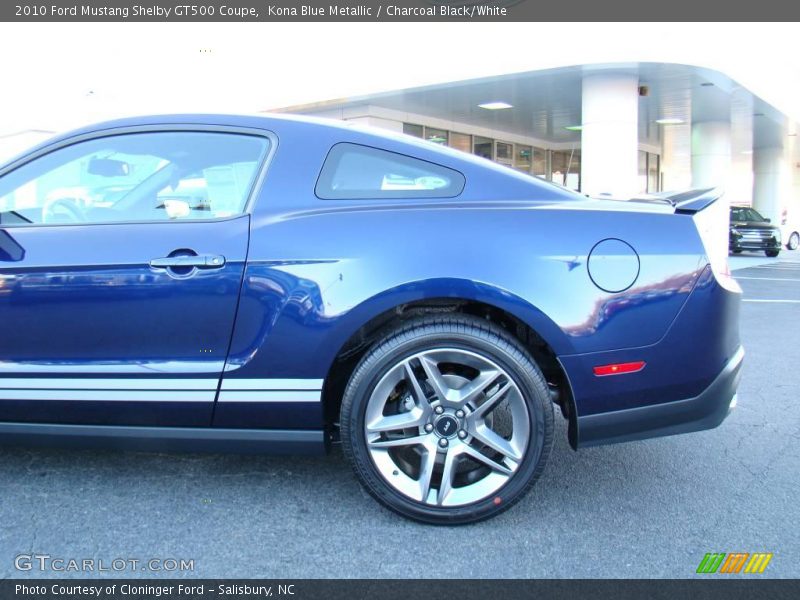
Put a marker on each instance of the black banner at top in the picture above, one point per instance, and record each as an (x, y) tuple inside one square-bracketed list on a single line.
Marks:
[(395, 10)]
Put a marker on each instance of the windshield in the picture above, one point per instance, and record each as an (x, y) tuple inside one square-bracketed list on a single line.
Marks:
[(739, 213)]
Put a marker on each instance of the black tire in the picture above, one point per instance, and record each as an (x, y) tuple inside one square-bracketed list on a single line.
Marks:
[(466, 333), (794, 241), (772, 253)]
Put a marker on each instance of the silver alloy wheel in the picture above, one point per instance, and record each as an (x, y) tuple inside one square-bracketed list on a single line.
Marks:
[(794, 241), (447, 427)]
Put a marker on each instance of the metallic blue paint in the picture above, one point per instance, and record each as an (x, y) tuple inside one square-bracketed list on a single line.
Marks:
[(303, 275), (85, 302)]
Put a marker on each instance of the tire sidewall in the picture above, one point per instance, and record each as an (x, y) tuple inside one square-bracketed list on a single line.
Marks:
[(506, 354)]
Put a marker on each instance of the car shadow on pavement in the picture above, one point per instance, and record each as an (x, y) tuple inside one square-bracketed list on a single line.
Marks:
[(305, 483)]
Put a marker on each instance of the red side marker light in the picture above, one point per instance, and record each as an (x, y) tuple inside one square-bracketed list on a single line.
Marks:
[(619, 368)]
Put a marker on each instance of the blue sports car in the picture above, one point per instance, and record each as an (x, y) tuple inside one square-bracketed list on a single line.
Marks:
[(280, 284)]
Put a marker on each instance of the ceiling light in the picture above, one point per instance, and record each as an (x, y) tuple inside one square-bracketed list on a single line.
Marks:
[(495, 105), (574, 127), (747, 151), (670, 121)]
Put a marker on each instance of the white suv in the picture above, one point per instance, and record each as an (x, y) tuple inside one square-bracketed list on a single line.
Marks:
[(790, 229)]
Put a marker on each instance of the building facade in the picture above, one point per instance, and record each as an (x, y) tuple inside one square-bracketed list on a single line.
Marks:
[(615, 130)]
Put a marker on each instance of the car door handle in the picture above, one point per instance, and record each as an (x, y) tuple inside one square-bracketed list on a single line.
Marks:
[(201, 261)]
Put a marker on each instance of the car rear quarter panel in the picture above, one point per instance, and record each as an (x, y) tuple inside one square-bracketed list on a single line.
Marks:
[(329, 272), (318, 270)]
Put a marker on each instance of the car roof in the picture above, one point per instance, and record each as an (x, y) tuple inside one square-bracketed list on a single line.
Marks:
[(517, 183)]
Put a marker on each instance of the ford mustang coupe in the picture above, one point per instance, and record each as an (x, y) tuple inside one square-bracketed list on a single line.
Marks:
[(280, 284)]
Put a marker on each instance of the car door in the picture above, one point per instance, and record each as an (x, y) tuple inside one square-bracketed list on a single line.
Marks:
[(121, 259)]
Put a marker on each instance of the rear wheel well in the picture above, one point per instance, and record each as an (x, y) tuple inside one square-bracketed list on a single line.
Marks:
[(375, 329)]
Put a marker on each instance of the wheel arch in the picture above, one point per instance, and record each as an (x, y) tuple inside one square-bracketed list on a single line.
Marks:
[(788, 242), (373, 318)]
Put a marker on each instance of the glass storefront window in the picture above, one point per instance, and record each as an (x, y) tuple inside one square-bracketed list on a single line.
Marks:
[(437, 136), (461, 141), (504, 153), (642, 172), (563, 167), (523, 155), (649, 172), (483, 147), (539, 162), (411, 129), (566, 168), (653, 173)]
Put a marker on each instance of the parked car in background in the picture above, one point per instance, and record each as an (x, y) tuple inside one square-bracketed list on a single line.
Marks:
[(281, 284), (790, 229), (753, 232)]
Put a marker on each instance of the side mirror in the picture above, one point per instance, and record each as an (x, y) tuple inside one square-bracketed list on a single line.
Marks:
[(108, 167), (768, 220)]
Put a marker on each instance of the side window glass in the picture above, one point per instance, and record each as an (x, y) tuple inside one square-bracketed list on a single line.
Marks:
[(135, 177), (355, 171)]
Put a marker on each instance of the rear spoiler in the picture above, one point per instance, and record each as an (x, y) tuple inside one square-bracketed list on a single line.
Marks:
[(693, 201), (685, 203)]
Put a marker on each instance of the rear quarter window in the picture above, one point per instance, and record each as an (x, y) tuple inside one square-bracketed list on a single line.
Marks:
[(353, 171)]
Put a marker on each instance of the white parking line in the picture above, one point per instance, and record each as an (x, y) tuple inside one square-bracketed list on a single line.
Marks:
[(769, 279), (771, 301), (788, 266)]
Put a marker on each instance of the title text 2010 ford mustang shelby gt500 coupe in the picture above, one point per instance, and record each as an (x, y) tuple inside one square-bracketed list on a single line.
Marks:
[(275, 284)]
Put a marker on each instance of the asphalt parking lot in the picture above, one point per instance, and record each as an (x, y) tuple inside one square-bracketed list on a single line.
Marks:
[(644, 509)]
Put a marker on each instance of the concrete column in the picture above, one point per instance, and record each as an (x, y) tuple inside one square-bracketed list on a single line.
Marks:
[(711, 154), (772, 181), (676, 160), (610, 135), (711, 167)]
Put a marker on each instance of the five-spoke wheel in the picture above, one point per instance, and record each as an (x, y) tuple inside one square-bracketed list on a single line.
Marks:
[(447, 420)]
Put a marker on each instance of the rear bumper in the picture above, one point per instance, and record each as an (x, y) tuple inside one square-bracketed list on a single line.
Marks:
[(704, 411)]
